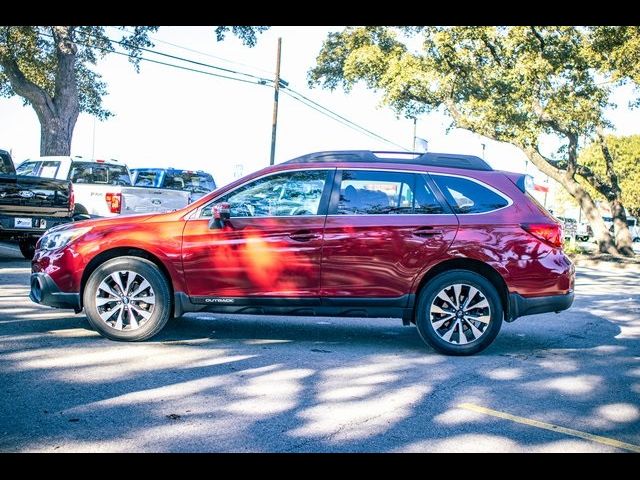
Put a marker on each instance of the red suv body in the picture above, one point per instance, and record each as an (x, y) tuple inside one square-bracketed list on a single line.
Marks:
[(440, 240)]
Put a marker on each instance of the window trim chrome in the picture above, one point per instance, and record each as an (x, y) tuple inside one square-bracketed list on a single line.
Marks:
[(195, 214), (482, 184)]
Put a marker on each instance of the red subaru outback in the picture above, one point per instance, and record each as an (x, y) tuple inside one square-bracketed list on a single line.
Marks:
[(440, 240)]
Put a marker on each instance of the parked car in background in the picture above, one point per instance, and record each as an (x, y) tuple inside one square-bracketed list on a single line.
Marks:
[(196, 182), (30, 205), (102, 187), (569, 226), (583, 232), (632, 223), (440, 240)]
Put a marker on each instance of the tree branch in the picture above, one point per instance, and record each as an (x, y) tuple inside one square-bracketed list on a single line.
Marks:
[(594, 180), (492, 49), (608, 160), (539, 37), (37, 96)]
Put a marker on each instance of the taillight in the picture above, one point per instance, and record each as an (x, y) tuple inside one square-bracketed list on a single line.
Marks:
[(550, 233), (72, 199), (114, 201)]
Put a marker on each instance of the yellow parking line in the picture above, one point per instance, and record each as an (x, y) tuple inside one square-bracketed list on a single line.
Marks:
[(554, 428)]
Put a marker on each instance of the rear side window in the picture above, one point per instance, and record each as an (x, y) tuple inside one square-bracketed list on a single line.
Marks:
[(46, 169), (467, 196), (94, 172), (194, 182), (146, 178), (384, 193)]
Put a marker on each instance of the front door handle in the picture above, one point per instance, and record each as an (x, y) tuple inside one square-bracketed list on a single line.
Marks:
[(428, 232), (304, 236)]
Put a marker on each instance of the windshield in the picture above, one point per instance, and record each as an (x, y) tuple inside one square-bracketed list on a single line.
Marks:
[(93, 172)]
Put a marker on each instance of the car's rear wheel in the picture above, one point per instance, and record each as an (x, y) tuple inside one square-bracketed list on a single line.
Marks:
[(127, 298), (459, 313)]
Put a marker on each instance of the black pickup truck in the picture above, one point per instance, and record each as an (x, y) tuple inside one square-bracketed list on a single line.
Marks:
[(30, 205)]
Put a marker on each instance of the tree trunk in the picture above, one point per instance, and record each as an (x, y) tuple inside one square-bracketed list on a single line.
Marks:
[(56, 134), (621, 231), (624, 241), (565, 178), (605, 241)]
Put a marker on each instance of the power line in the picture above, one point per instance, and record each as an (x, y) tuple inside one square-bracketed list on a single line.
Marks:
[(255, 80), (200, 52), (337, 117), (182, 59)]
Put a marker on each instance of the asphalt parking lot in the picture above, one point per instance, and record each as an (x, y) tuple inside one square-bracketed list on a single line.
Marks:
[(549, 383)]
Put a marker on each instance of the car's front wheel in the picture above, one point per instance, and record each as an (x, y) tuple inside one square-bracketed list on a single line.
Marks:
[(128, 299), (459, 313)]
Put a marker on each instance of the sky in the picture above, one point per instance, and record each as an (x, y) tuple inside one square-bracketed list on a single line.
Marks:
[(165, 117)]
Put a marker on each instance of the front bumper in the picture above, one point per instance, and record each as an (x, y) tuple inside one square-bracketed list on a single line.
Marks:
[(520, 306), (45, 292)]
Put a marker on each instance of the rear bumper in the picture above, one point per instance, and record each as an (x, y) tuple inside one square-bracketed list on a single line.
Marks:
[(520, 306), (40, 224), (45, 292)]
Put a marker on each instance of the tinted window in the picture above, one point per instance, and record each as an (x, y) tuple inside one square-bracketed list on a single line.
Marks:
[(380, 193), (146, 178), (466, 196), (5, 165), (93, 172), (46, 169), (191, 181), (280, 195)]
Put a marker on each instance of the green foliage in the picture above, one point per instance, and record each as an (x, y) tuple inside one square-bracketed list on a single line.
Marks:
[(626, 156), (509, 83), (617, 50), (248, 35), (34, 50), (36, 53)]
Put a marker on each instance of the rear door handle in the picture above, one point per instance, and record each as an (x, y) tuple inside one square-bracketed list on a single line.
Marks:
[(428, 232), (304, 236)]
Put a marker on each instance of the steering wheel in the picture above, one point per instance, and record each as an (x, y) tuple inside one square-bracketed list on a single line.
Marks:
[(244, 210), (300, 210)]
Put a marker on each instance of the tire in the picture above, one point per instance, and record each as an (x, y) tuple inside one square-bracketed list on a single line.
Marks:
[(27, 247), (132, 317), (80, 213), (444, 337)]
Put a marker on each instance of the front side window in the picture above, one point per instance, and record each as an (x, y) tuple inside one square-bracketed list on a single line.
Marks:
[(280, 195), (383, 193), (467, 196), (94, 172)]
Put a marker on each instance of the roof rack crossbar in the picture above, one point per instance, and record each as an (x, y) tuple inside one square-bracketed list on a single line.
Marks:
[(470, 162)]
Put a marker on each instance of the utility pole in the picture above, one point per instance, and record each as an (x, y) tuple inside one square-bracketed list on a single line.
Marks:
[(93, 143), (276, 92), (415, 122)]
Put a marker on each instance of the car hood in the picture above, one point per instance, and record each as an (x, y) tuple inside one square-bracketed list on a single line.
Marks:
[(106, 222)]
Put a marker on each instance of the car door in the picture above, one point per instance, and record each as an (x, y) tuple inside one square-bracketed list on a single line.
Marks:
[(383, 229), (270, 247)]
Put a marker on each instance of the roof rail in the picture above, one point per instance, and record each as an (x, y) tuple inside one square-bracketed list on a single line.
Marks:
[(453, 160)]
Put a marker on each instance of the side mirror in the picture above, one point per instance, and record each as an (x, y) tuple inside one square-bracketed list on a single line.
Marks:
[(221, 215)]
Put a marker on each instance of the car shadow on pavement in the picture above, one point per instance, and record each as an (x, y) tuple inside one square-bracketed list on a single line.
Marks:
[(230, 383)]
